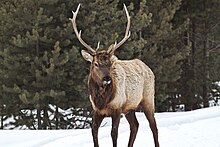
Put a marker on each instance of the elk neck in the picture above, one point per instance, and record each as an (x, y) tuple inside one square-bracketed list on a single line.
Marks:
[(101, 94)]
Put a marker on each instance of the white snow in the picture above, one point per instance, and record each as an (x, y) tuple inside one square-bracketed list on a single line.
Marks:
[(199, 128)]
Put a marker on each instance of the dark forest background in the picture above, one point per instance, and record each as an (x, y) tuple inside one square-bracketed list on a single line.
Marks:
[(43, 78)]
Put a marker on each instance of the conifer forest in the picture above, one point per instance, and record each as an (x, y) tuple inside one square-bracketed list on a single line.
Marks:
[(43, 77)]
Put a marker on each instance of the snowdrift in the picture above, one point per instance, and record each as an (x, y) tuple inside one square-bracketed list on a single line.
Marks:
[(199, 128)]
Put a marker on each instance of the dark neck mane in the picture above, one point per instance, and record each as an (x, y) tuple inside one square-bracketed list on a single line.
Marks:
[(101, 95)]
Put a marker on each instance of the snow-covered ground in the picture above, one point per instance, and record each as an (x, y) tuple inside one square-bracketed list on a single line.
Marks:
[(199, 128)]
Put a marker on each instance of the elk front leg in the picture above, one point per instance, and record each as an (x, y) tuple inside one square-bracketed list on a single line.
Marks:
[(115, 124), (96, 122)]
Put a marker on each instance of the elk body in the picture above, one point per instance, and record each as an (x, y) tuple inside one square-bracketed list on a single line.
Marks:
[(118, 86)]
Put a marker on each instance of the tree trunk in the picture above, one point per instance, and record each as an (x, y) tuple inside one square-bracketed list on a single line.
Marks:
[(190, 92), (205, 76), (57, 118), (173, 102), (45, 119), (2, 116), (39, 119)]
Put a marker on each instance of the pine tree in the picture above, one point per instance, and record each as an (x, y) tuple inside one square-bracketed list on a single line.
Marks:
[(203, 34), (164, 49), (42, 71), (31, 62), (8, 100)]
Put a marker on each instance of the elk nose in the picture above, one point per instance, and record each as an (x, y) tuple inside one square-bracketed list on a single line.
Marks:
[(107, 80)]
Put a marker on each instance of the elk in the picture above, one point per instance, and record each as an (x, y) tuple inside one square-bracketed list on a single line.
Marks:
[(118, 86)]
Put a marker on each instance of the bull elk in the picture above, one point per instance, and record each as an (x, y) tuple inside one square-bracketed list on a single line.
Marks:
[(118, 86)]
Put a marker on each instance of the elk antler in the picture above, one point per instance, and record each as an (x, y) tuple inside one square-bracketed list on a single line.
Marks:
[(127, 34), (78, 34)]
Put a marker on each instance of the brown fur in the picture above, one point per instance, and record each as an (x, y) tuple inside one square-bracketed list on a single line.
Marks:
[(101, 95)]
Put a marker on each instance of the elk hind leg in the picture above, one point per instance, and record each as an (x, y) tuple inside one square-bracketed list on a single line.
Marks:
[(149, 113), (132, 120)]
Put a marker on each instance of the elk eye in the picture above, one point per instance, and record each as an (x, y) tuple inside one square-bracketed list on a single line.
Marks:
[(96, 64)]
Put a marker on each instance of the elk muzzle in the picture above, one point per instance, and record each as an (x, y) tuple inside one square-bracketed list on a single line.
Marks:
[(106, 80)]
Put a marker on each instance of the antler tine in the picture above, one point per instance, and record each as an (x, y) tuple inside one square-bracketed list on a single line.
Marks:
[(98, 46), (115, 43), (127, 33), (78, 34)]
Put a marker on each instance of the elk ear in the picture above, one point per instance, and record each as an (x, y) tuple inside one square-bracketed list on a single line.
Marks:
[(113, 58), (87, 56)]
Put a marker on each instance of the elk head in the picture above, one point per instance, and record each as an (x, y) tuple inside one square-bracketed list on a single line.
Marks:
[(101, 61)]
